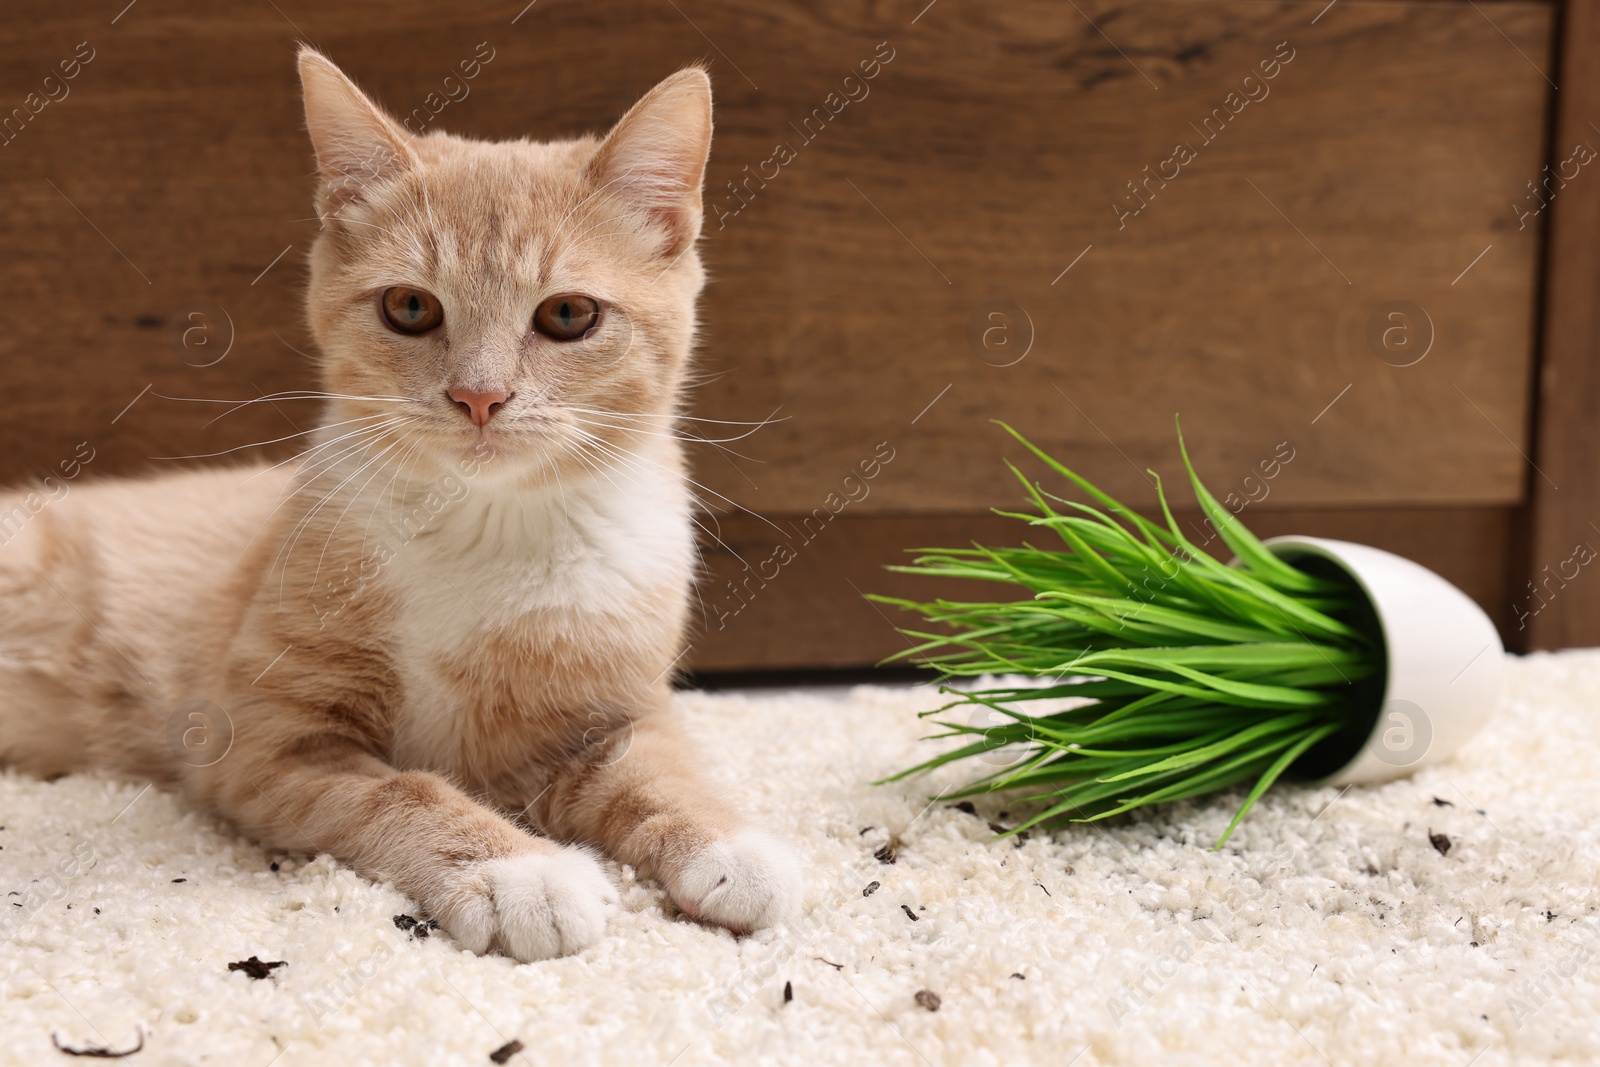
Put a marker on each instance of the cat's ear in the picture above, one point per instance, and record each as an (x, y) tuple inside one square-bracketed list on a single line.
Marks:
[(656, 155), (357, 144)]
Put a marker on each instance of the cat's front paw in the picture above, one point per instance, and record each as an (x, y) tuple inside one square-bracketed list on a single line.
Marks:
[(531, 907), (744, 882)]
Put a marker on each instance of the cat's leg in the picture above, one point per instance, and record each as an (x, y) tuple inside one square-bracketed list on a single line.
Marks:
[(489, 883), (639, 798)]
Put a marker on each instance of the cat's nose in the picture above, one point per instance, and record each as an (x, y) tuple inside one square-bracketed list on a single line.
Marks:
[(477, 405)]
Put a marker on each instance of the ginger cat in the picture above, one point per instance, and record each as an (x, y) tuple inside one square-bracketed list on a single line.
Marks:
[(438, 644)]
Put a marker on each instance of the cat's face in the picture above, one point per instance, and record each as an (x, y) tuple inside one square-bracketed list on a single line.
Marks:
[(527, 305)]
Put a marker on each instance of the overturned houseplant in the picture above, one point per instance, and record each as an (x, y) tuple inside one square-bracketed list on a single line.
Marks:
[(1154, 672)]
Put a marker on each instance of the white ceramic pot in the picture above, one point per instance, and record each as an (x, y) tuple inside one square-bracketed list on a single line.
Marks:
[(1444, 662)]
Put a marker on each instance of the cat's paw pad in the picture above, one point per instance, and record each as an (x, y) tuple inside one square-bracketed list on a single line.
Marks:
[(533, 907), (744, 882)]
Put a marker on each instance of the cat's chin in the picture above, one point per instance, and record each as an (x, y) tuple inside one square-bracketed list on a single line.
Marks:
[(499, 464)]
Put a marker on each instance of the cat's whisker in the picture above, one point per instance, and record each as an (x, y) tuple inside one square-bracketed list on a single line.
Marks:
[(292, 394), (598, 463), (405, 490), (631, 420), (310, 483), (697, 378), (307, 482), (327, 462), (334, 529), (618, 455), (298, 489), (394, 421), (389, 488), (622, 456), (274, 441), (672, 434), (309, 452), (768, 421), (287, 551), (594, 463), (275, 398), (308, 457), (555, 472), (305, 355), (373, 435), (667, 471)]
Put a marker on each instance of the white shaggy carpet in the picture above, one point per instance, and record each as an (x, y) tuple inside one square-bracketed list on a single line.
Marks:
[(1329, 930)]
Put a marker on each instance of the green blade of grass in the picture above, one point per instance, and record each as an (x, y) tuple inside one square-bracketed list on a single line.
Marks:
[(1245, 545), (1281, 764), (1179, 675)]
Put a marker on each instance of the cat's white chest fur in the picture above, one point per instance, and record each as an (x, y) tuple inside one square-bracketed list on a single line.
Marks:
[(563, 565)]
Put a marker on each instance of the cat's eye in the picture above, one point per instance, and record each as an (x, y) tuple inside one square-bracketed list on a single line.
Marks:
[(411, 310), (567, 317)]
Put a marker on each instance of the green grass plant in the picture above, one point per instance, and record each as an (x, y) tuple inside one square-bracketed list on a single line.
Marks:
[(1184, 675)]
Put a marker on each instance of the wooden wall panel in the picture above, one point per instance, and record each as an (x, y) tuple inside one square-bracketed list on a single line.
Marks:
[(1383, 163), (1555, 580), (986, 156), (850, 286)]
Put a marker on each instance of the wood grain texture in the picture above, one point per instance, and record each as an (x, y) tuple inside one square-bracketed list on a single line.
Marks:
[(987, 159), (987, 153), (747, 622), (1557, 590), (850, 286)]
